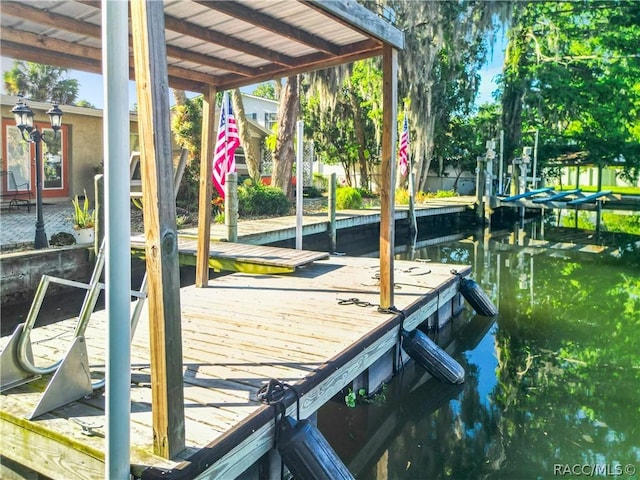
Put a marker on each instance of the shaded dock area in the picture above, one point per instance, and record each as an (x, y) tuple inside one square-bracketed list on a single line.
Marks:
[(304, 328)]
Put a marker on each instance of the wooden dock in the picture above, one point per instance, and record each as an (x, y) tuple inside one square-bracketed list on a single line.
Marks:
[(238, 333), (238, 257), (272, 230)]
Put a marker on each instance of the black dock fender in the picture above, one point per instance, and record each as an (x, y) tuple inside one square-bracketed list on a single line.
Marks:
[(477, 298)]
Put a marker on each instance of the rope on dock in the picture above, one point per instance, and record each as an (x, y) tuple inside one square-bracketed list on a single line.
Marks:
[(399, 363), (357, 302), (273, 393)]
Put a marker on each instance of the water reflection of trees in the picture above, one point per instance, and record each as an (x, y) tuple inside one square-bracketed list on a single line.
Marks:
[(568, 373), (566, 383)]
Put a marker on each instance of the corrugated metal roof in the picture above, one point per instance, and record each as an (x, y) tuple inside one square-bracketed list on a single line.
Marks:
[(223, 43)]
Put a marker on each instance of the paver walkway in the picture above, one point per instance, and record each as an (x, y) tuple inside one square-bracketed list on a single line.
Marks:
[(17, 226)]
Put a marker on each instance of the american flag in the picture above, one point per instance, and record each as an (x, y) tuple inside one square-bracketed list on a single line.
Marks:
[(228, 140), (404, 148)]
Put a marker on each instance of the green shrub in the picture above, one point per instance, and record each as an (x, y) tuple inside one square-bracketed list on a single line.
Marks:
[(366, 193), (188, 191), (619, 189), (402, 196), (61, 239), (422, 197), (312, 192), (445, 193), (622, 223), (584, 223), (259, 200), (320, 182), (348, 198), (181, 221)]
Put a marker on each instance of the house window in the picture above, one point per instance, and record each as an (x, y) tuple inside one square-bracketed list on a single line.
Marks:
[(253, 116), (270, 119), (134, 142), (53, 174), (20, 157)]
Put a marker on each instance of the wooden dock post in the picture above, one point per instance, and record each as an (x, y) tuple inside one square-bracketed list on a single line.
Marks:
[(150, 58), (204, 200), (388, 170), (598, 218), (479, 189), (231, 206), (333, 232)]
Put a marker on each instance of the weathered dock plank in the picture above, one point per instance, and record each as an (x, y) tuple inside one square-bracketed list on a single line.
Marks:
[(237, 334)]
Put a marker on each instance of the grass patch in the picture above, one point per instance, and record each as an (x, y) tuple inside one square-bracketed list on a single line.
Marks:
[(614, 188), (611, 222)]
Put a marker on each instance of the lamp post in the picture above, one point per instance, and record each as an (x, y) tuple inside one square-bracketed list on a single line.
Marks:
[(24, 121)]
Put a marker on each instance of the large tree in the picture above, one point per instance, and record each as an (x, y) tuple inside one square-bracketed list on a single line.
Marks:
[(251, 156), (466, 137), (42, 83), (572, 71), (445, 46), (266, 90), (186, 125), (343, 115), (284, 154)]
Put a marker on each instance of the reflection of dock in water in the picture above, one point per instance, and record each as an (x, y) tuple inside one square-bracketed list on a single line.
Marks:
[(564, 240)]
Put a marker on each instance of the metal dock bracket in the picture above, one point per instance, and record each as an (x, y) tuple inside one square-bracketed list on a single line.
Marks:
[(71, 381), (11, 372)]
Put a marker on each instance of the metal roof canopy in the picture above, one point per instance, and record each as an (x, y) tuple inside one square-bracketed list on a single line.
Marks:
[(209, 43)]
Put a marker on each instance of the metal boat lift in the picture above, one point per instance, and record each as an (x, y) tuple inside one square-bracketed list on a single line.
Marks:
[(598, 196), (530, 193), (557, 196)]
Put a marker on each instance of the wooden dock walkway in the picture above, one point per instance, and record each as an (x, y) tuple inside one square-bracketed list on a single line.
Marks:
[(238, 333), (271, 230)]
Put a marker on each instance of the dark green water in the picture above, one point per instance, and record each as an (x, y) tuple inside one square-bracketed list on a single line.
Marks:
[(552, 384)]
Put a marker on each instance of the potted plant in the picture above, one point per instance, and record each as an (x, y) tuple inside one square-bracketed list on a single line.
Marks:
[(83, 220)]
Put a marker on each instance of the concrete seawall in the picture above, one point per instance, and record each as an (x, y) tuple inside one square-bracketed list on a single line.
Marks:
[(20, 272)]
